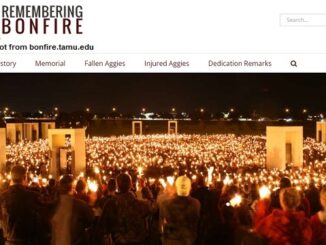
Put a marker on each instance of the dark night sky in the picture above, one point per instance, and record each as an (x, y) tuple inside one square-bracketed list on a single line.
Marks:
[(160, 92)]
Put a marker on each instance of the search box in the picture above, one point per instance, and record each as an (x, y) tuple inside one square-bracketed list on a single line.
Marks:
[(303, 20)]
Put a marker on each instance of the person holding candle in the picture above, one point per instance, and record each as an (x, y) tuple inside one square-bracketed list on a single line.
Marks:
[(286, 225), (99, 235), (81, 192), (261, 206), (318, 221), (124, 216), (72, 217), (235, 214)]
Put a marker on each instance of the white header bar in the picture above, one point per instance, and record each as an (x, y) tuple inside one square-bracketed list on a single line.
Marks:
[(204, 36)]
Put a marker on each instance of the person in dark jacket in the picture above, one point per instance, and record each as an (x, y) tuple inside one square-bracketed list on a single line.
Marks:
[(210, 221), (124, 217), (180, 215), (19, 215), (72, 217), (312, 194)]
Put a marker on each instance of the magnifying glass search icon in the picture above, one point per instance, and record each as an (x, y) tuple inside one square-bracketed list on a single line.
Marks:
[(293, 63)]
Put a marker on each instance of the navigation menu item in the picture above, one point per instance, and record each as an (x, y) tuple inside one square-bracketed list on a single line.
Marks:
[(105, 63), (167, 63), (57, 63), (10, 64)]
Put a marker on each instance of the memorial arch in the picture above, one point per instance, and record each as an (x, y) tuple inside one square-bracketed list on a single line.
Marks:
[(45, 126), (14, 132), (172, 127), (137, 127), (321, 132), (58, 147), (284, 145), (31, 131)]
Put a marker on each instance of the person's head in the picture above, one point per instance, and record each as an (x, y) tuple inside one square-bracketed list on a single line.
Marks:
[(18, 174), (323, 197), (289, 198), (112, 185), (52, 183), (285, 182), (201, 181), (124, 182), (65, 185), (80, 186), (312, 184), (183, 186), (146, 193)]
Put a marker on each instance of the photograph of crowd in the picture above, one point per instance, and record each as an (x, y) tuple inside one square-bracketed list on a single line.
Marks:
[(65, 184)]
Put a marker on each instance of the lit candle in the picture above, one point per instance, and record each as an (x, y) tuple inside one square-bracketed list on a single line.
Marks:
[(96, 170), (264, 192), (170, 180), (140, 171), (209, 175), (227, 180), (92, 186), (163, 183), (235, 201)]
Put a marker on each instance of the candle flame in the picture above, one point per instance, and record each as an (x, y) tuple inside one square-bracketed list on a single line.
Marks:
[(236, 200), (264, 192)]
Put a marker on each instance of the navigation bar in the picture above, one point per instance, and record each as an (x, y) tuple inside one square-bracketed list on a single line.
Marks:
[(208, 63)]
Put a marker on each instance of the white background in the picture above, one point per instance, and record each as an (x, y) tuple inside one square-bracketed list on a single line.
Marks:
[(199, 29)]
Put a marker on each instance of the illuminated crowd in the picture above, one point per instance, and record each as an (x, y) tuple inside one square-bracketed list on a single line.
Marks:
[(229, 158), (232, 166)]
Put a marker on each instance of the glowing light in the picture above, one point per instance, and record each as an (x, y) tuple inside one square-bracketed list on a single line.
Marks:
[(44, 182), (236, 200), (96, 170), (81, 175), (209, 175), (140, 171), (264, 192), (227, 180), (170, 180), (92, 186), (163, 183), (226, 153)]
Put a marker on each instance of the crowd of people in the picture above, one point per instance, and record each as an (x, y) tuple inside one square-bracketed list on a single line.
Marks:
[(165, 189)]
